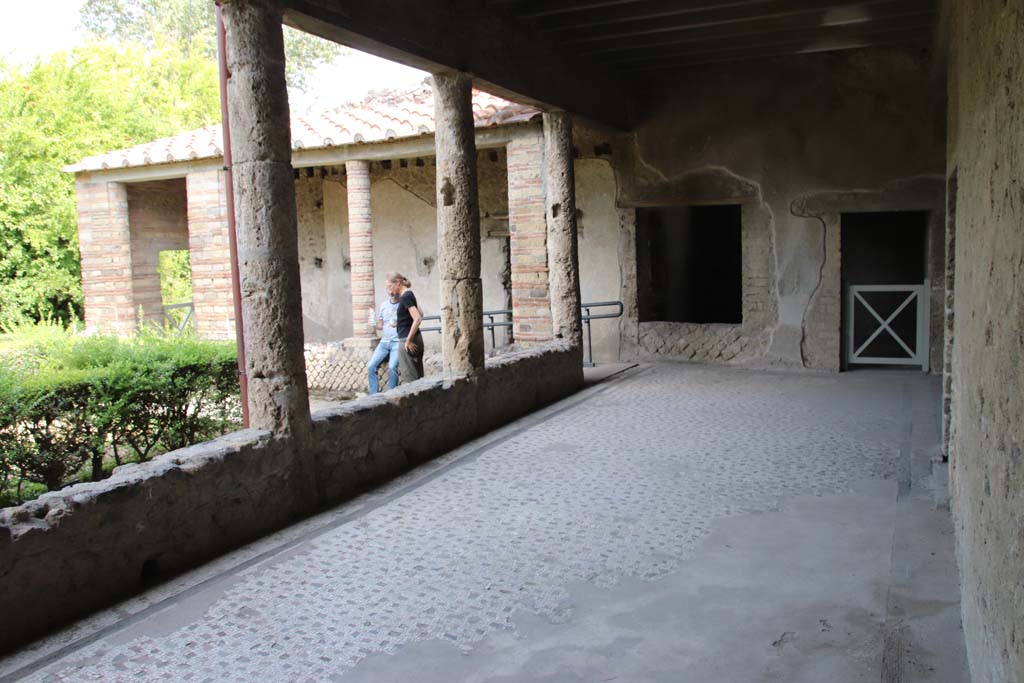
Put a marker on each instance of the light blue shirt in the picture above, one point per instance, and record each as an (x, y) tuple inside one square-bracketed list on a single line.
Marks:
[(388, 315)]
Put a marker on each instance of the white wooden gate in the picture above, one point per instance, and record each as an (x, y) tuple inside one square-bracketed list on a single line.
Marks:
[(864, 302)]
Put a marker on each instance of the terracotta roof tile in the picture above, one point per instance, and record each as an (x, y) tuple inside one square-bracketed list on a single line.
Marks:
[(376, 119)]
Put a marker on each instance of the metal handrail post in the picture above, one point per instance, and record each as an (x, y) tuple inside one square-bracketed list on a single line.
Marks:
[(590, 341)]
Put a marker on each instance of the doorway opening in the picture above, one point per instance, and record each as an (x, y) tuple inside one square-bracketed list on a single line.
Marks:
[(885, 292)]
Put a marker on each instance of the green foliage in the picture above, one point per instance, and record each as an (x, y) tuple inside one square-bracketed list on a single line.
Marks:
[(175, 276), (191, 25), (91, 100), (73, 407)]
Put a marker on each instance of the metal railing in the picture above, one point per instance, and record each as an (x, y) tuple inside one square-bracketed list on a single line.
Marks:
[(172, 321), (586, 316), (489, 324)]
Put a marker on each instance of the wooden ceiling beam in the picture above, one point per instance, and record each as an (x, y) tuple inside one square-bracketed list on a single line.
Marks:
[(918, 25), (651, 40), (771, 13), (505, 57)]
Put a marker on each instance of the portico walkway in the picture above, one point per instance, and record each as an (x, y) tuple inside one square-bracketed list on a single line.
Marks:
[(673, 523)]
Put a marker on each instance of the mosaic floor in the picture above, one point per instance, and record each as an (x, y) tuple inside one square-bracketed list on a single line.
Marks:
[(619, 483)]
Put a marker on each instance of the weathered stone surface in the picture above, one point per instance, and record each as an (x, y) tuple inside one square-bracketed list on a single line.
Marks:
[(458, 225), (458, 209), (461, 329), (271, 296), (986, 152), (74, 550), (266, 217), (563, 246), (257, 92)]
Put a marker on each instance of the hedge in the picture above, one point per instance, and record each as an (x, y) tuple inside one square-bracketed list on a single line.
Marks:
[(72, 408)]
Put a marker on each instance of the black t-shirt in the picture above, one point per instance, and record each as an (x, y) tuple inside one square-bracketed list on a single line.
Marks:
[(404, 319)]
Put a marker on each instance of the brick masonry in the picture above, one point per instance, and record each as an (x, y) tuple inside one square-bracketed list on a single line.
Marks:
[(210, 255), (531, 304), (157, 220), (360, 240), (105, 244)]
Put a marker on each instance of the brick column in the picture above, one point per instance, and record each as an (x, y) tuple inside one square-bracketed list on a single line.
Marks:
[(563, 253), (264, 188), (458, 224), (210, 255), (105, 245), (360, 241), (531, 303)]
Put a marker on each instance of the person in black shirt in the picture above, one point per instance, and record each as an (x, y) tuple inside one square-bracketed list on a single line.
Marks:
[(410, 340)]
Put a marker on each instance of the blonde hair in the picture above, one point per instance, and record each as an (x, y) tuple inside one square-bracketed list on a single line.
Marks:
[(400, 279)]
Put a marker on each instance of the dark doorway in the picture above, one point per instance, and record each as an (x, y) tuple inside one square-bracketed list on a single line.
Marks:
[(690, 264), (882, 249)]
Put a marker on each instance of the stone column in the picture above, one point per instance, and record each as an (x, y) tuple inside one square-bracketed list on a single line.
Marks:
[(563, 254), (360, 240), (458, 224), (104, 240), (264, 187)]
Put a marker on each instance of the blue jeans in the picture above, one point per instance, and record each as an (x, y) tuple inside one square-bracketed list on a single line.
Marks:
[(387, 348)]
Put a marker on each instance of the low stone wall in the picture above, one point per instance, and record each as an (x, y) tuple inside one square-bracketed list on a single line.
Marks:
[(78, 549)]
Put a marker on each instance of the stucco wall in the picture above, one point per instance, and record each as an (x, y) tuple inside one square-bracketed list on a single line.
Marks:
[(313, 264), (986, 151), (80, 548), (600, 271), (787, 128), (404, 239)]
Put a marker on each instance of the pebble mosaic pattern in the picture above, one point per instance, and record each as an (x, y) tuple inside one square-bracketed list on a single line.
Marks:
[(624, 484)]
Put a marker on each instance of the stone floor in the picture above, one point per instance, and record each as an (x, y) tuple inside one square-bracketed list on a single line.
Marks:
[(671, 523)]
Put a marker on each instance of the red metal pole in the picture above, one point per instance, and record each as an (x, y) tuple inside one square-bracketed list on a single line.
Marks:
[(236, 289)]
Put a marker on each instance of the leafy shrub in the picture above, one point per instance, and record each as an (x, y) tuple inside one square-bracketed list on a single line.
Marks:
[(73, 406)]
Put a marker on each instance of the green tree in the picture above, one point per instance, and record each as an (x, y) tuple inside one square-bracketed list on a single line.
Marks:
[(191, 25), (55, 112)]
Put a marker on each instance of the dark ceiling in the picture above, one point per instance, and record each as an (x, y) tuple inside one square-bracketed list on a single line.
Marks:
[(643, 37)]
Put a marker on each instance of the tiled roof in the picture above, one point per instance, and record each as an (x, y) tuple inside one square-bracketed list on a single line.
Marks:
[(376, 119)]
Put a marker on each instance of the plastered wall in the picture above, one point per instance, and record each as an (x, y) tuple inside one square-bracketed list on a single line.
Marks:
[(599, 236), (404, 239), (986, 152), (768, 135)]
